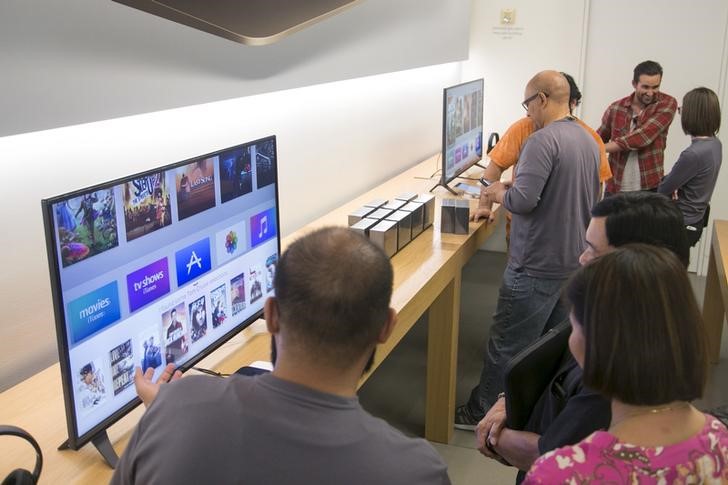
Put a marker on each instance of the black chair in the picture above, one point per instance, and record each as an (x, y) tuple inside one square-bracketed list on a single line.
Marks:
[(528, 374)]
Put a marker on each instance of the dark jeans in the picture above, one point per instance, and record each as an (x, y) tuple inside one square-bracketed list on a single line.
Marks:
[(527, 307)]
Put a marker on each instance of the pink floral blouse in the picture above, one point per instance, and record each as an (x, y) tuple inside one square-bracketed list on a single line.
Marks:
[(602, 458)]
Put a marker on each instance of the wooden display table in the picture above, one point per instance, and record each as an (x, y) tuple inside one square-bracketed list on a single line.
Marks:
[(426, 279), (715, 302)]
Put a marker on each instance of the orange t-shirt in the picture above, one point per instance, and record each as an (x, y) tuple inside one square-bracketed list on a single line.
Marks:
[(505, 153)]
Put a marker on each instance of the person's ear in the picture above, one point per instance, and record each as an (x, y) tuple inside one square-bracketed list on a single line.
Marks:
[(270, 313), (387, 328)]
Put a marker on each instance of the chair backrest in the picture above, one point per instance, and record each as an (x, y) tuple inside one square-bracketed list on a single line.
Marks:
[(530, 371)]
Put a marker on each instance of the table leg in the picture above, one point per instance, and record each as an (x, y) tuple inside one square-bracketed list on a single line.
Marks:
[(442, 357), (713, 310)]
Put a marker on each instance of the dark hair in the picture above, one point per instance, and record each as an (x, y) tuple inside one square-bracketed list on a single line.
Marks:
[(645, 338), (574, 93), (333, 288), (647, 68), (700, 114), (644, 217), (86, 369)]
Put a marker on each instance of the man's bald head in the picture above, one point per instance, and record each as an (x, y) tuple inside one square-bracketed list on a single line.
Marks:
[(552, 83), (547, 94)]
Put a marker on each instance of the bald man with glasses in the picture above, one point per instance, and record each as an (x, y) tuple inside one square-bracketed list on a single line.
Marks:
[(551, 200)]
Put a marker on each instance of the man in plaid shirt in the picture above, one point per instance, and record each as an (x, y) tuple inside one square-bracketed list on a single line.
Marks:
[(634, 130)]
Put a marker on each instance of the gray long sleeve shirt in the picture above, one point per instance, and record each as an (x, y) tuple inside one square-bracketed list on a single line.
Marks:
[(694, 176), (557, 184)]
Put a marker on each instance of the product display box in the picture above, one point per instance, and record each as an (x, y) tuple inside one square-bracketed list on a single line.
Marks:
[(359, 214), (418, 212), (376, 203), (384, 235), (407, 196), (455, 216), (379, 214), (363, 226), (428, 201), (394, 205), (404, 227), (393, 224)]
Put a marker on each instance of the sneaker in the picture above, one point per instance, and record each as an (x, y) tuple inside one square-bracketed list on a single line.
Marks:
[(465, 419)]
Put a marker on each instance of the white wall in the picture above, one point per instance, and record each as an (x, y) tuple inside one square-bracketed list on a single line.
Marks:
[(687, 38), (334, 141), (67, 62)]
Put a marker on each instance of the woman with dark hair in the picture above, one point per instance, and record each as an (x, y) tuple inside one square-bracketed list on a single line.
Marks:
[(692, 179), (638, 335)]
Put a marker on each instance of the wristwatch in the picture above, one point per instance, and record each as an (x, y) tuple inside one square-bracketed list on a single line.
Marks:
[(485, 182)]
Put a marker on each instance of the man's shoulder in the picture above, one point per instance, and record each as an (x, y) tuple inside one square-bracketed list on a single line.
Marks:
[(665, 100), (621, 103)]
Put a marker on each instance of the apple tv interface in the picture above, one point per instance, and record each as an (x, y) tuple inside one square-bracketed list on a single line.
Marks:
[(158, 268)]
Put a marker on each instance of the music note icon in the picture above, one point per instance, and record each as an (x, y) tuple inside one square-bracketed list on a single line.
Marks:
[(263, 226)]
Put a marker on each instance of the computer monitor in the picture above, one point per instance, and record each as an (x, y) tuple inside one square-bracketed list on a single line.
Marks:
[(462, 129), (155, 268)]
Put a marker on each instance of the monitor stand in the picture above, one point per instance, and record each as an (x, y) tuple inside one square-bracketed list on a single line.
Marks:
[(102, 443), (458, 177), (440, 184)]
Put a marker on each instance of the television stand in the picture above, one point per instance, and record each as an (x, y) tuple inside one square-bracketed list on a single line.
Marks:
[(440, 184), (102, 443)]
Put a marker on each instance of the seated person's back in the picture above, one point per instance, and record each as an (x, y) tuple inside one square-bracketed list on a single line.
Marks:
[(302, 423), (264, 429)]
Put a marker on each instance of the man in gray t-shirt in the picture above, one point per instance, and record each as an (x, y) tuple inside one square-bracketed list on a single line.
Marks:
[(551, 199), (302, 423)]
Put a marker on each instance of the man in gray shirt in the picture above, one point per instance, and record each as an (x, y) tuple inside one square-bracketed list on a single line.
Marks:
[(302, 423), (554, 190)]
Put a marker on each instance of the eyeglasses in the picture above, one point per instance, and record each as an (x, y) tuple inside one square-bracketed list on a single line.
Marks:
[(528, 100)]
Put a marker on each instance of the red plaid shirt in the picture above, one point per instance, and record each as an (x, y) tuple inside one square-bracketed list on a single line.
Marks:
[(649, 138)]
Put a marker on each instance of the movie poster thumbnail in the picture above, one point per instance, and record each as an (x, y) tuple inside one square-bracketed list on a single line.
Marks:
[(270, 272), (86, 226), (147, 205), (237, 293), (265, 162), (150, 349), (255, 282), (198, 317), (122, 367), (236, 174), (466, 112), (91, 387), (218, 303), (454, 119), (174, 325), (195, 184)]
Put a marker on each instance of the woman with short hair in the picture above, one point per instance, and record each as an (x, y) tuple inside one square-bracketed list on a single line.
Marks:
[(692, 179), (638, 334)]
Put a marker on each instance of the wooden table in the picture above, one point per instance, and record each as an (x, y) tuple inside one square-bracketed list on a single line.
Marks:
[(715, 302), (426, 279)]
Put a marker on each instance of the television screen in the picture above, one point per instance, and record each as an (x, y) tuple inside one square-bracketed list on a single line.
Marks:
[(462, 130), (155, 268)]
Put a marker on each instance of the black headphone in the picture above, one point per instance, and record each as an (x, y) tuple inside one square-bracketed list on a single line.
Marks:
[(492, 140), (22, 476)]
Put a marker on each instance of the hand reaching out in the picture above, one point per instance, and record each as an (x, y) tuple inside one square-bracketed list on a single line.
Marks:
[(148, 389)]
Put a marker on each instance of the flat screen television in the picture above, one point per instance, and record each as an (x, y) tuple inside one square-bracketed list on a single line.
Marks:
[(462, 129), (154, 268)]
